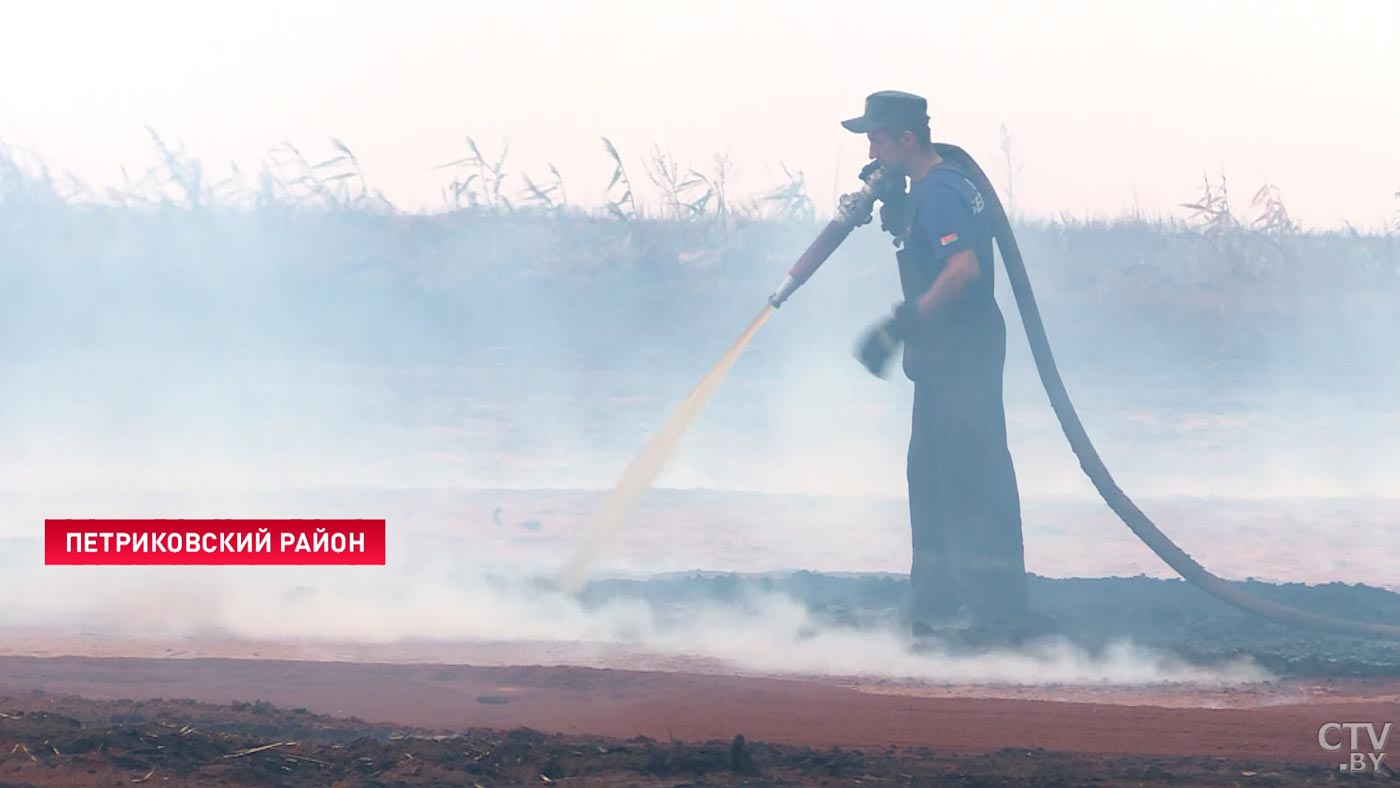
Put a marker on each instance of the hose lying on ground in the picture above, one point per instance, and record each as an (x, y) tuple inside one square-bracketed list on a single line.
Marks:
[(1093, 465)]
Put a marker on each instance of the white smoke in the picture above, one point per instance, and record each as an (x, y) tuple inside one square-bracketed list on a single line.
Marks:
[(761, 633)]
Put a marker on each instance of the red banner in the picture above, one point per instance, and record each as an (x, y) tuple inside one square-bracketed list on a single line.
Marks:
[(210, 542)]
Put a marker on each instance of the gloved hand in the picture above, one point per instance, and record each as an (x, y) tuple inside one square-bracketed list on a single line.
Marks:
[(881, 340), (893, 196)]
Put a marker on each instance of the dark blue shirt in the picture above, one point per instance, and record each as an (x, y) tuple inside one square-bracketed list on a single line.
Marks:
[(946, 214)]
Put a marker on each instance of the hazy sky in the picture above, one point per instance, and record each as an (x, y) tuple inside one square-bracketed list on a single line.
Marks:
[(1112, 103)]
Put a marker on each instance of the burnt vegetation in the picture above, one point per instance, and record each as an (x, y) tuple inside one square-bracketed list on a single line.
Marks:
[(66, 741)]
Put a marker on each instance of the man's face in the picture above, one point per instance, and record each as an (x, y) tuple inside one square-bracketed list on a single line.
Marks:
[(894, 150)]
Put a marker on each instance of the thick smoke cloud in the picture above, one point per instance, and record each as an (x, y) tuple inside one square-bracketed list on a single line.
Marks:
[(287, 361)]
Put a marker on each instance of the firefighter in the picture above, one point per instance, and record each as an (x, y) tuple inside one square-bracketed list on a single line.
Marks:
[(968, 571)]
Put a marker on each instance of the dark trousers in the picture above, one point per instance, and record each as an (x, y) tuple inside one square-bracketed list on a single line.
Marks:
[(969, 559)]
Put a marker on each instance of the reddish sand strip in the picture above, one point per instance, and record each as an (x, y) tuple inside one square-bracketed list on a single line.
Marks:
[(693, 707)]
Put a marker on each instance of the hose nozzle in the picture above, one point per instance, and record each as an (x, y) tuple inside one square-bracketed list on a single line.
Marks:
[(786, 288)]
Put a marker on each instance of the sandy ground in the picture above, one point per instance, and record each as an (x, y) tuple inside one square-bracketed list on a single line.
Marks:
[(460, 686)]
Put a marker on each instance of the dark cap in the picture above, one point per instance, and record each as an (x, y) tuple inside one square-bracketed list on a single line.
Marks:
[(890, 109)]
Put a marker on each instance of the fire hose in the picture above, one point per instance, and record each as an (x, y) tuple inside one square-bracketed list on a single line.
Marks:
[(856, 208)]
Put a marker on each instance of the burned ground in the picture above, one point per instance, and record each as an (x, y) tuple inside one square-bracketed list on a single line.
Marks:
[(1170, 615), (65, 741)]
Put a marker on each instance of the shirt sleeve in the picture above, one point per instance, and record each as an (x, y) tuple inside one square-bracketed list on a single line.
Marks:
[(945, 221)]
